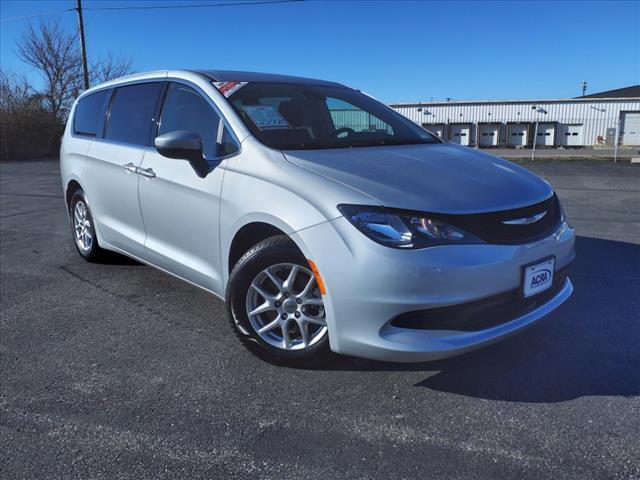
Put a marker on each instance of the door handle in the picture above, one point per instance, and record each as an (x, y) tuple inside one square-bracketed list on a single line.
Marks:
[(130, 167), (146, 172)]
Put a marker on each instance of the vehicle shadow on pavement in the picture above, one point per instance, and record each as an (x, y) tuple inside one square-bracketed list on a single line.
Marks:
[(113, 258), (589, 346)]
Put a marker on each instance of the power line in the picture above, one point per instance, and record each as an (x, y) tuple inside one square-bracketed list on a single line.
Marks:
[(193, 5), (153, 7), (12, 19)]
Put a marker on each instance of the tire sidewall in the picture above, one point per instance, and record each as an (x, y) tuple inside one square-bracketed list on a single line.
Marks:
[(93, 251), (256, 260)]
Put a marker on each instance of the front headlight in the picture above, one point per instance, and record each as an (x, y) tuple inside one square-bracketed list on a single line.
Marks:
[(404, 229)]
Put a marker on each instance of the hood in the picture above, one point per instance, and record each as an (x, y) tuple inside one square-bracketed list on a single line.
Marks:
[(438, 178)]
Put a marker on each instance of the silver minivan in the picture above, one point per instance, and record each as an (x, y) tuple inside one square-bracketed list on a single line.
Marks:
[(326, 220)]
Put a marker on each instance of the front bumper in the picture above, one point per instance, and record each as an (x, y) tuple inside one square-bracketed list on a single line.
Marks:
[(368, 285)]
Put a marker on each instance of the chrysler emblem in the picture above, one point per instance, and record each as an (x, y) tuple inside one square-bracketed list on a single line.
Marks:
[(526, 220)]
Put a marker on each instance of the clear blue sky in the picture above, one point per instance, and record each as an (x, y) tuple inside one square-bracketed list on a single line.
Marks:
[(396, 51)]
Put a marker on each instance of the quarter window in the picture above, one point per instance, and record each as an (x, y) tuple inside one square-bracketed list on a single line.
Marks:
[(186, 109), (131, 113), (88, 118)]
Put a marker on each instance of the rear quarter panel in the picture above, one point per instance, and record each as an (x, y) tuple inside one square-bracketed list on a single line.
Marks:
[(73, 155)]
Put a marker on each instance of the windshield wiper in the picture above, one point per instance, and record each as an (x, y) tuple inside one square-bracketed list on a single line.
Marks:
[(324, 144), (406, 142)]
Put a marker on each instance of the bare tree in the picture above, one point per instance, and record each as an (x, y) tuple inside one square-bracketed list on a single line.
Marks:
[(56, 54), (15, 91), (109, 68)]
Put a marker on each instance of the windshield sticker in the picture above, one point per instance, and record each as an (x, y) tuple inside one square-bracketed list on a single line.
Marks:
[(229, 88), (266, 117)]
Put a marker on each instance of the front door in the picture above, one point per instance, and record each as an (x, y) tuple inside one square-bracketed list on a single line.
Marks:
[(180, 209)]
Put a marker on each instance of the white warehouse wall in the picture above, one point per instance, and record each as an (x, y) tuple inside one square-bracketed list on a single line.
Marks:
[(597, 115)]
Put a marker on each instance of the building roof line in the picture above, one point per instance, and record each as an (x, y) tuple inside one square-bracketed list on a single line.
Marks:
[(528, 102)]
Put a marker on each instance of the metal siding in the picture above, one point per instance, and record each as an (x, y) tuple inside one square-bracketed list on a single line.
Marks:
[(595, 123), (358, 120)]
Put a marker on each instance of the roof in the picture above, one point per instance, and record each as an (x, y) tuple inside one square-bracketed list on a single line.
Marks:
[(632, 92), (230, 75), (627, 92), (519, 102)]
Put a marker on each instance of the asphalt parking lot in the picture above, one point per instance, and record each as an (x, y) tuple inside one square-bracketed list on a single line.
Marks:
[(120, 371)]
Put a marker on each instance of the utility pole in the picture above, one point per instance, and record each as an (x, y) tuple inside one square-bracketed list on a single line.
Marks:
[(584, 85), (83, 47), (535, 133)]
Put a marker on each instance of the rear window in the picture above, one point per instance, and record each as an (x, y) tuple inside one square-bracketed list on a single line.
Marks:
[(131, 113), (89, 114)]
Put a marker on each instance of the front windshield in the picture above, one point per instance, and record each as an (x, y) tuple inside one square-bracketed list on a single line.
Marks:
[(288, 116)]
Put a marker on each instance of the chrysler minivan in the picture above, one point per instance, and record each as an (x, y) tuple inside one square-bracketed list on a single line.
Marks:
[(326, 220)]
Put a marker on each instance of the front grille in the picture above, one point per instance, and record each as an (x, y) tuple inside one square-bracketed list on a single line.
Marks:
[(490, 227), (482, 314)]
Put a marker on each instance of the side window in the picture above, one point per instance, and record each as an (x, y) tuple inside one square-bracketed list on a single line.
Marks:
[(186, 109), (345, 115), (88, 118), (131, 113)]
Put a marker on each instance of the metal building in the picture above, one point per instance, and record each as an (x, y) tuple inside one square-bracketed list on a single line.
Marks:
[(592, 120)]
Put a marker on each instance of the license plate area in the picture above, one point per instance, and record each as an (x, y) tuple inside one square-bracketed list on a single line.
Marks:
[(537, 276)]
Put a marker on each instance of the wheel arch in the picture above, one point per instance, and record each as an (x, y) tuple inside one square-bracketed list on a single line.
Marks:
[(247, 236), (72, 187)]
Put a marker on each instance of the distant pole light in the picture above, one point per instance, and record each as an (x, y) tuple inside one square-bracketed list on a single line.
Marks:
[(584, 88), (535, 132)]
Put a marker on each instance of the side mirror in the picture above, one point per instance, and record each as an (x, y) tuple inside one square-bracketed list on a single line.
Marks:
[(184, 145)]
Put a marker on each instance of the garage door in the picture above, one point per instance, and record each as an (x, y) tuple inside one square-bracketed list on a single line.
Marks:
[(435, 129), (488, 135), (630, 129), (517, 135), (571, 135), (546, 134), (460, 134)]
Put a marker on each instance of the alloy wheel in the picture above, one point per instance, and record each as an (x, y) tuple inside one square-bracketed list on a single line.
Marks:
[(285, 307), (82, 226)]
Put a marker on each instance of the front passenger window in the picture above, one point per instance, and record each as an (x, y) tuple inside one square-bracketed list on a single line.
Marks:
[(186, 109)]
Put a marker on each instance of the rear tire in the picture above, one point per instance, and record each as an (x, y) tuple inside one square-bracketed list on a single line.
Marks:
[(83, 228), (274, 279)]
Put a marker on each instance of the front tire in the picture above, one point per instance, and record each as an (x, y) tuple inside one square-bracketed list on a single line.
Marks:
[(83, 228), (275, 307)]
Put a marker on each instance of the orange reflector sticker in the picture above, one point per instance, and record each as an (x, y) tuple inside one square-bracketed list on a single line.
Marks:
[(316, 274)]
